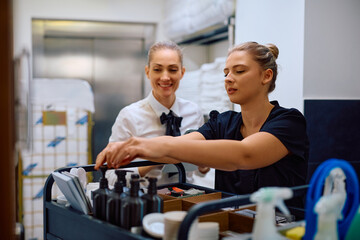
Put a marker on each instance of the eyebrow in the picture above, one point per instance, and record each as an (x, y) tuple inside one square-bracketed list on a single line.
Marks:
[(237, 65), (171, 65)]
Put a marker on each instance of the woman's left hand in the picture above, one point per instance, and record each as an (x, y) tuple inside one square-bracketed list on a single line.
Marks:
[(203, 170)]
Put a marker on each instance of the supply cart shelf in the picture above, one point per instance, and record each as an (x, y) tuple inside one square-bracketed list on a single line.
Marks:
[(64, 222)]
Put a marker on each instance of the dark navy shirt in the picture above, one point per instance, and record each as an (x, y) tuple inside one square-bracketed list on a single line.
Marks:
[(288, 125)]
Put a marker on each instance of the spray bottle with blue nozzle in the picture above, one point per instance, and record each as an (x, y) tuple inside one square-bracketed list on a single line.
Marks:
[(317, 189), (267, 199)]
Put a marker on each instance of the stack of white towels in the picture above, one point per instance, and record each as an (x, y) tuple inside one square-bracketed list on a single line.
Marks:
[(188, 16), (205, 87)]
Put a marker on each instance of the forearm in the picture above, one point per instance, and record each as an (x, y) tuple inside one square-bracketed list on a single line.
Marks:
[(163, 160), (217, 154), (256, 151)]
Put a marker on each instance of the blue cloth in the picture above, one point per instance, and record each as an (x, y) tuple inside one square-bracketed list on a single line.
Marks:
[(289, 126), (315, 192)]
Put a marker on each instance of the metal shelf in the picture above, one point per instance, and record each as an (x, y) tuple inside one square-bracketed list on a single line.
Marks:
[(212, 34)]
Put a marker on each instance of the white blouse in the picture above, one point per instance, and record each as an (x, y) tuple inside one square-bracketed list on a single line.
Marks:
[(142, 119)]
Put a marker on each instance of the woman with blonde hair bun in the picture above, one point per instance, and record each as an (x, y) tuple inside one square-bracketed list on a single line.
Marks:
[(263, 145)]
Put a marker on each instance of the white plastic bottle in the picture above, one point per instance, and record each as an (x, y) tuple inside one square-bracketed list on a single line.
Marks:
[(266, 199), (328, 209), (330, 205)]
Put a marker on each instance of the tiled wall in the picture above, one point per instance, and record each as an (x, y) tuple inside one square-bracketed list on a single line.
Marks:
[(54, 146), (334, 131)]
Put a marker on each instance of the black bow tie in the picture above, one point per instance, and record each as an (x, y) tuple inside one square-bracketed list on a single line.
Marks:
[(173, 123)]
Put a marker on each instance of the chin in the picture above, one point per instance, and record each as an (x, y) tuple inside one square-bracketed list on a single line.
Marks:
[(168, 93), (234, 100)]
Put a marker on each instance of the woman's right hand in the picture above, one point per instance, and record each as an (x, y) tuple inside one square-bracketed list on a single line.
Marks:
[(117, 154)]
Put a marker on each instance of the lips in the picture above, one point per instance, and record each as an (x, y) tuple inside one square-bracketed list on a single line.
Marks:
[(231, 90), (165, 85)]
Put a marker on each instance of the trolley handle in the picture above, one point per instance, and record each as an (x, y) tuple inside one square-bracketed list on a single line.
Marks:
[(213, 205)]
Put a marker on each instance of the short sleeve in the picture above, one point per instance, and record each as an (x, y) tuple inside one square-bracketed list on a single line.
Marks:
[(123, 128), (210, 129), (289, 126), (200, 118)]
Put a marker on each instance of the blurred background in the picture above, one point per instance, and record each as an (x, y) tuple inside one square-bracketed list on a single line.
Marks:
[(69, 67)]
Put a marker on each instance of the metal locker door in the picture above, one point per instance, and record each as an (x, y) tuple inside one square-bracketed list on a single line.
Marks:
[(118, 81)]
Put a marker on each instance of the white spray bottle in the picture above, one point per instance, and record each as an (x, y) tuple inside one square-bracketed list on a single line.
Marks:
[(330, 205), (267, 198)]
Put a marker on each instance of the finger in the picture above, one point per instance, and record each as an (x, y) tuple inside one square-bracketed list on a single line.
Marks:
[(123, 163), (109, 163), (119, 158), (118, 163), (100, 160)]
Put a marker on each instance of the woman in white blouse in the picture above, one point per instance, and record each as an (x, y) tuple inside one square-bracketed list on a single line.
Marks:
[(164, 69)]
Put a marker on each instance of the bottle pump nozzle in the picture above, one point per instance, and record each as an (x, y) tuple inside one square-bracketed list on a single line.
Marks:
[(266, 199), (152, 185), (121, 180), (103, 179)]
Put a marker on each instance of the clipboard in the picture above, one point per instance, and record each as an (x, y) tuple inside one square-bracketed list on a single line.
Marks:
[(72, 191)]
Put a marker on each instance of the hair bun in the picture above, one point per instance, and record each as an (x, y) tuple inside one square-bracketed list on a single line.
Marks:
[(273, 49)]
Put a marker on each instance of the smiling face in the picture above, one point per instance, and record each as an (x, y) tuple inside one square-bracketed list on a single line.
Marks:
[(245, 80), (165, 72)]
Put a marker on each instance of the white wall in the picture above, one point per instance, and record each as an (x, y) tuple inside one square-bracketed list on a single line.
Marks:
[(97, 10), (217, 50), (332, 50), (280, 22), (194, 56)]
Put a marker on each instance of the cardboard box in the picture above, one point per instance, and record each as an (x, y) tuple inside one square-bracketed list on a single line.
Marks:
[(184, 204), (188, 202), (230, 221), (172, 205)]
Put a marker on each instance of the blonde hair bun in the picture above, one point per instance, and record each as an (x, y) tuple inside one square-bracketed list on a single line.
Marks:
[(273, 49)]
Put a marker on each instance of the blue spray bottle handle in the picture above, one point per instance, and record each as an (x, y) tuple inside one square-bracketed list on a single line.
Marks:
[(315, 192)]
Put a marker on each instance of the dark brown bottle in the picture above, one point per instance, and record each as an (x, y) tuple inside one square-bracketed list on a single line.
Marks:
[(113, 209), (153, 201), (100, 196), (133, 207)]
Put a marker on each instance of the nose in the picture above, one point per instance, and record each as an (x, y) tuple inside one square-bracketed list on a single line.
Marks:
[(229, 79), (165, 76)]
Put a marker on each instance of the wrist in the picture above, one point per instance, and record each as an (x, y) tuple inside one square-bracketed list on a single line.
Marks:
[(168, 145)]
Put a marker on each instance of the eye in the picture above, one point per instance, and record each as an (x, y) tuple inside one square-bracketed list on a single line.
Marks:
[(225, 75), (173, 70), (156, 70), (239, 72)]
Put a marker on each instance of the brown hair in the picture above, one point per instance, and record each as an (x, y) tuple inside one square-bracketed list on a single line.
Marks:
[(165, 45), (264, 55)]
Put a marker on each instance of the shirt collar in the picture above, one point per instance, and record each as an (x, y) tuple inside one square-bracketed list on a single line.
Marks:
[(159, 108)]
